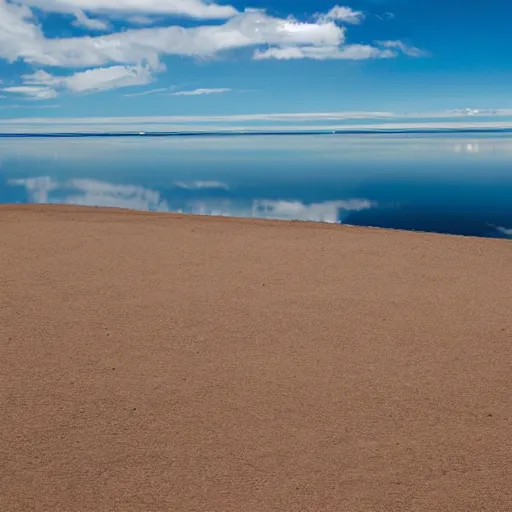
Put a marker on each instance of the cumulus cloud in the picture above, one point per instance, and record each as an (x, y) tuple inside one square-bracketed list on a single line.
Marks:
[(133, 57), (200, 92), (18, 32), (136, 46), (189, 8), (252, 28)]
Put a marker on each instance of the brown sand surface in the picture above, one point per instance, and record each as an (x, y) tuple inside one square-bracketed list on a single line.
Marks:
[(153, 362)]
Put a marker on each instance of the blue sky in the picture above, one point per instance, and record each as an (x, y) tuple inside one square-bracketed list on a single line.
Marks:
[(130, 62)]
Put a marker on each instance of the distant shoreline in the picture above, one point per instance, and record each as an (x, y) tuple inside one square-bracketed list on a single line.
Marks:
[(253, 133)]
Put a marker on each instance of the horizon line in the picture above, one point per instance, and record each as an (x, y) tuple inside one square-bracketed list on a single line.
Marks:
[(249, 132)]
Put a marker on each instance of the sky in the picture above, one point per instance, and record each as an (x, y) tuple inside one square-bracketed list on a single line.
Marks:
[(143, 64)]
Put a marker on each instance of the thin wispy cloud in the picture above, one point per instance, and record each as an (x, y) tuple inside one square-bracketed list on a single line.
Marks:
[(42, 85), (147, 93), (33, 92), (341, 14), (136, 125), (406, 49), (201, 92), (16, 106), (278, 117)]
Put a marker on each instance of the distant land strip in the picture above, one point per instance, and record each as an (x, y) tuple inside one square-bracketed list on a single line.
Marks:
[(231, 133)]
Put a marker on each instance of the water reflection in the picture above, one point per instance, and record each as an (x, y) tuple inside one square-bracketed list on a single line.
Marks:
[(447, 184), (45, 190), (467, 148)]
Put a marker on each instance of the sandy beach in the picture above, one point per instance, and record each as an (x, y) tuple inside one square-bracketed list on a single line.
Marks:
[(156, 362)]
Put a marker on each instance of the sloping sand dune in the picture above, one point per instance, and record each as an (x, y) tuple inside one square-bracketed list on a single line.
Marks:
[(153, 362)]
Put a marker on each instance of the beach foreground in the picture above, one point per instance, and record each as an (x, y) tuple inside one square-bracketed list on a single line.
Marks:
[(154, 362)]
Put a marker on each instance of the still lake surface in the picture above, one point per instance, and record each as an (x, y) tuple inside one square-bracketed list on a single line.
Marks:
[(446, 183)]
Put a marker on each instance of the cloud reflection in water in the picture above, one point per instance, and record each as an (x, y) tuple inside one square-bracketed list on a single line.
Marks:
[(87, 192)]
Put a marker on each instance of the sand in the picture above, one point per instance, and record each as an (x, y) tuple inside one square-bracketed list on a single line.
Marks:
[(155, 362)]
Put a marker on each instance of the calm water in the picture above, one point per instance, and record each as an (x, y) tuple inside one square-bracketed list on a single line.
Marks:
[(454, 183)]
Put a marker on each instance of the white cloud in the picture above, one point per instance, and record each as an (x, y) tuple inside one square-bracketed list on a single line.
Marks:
[(82, 20), (342, 15), (375, 120), (410, 51), (113, 77), (253, 28), (150, 120), (189, 8), (140, 20), (200, 92), (24, 40), (445, 120), (387, 16), (42, 85), (348, 52), (32, 92), (383, 50), (130, 57), (18, 32)]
